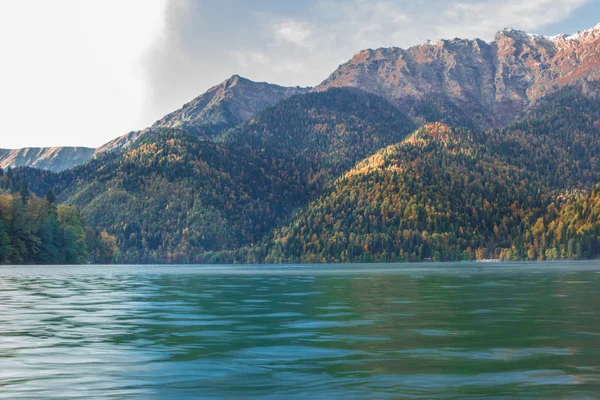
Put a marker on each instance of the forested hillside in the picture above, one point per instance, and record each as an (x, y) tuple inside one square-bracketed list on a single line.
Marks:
[(36, 230), (571, 231), (309, 140), (447, 194), (437, 195), (559, 139), (286, 187), (172, 196)]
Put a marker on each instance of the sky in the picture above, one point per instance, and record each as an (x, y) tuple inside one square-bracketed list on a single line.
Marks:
[(82, 72)]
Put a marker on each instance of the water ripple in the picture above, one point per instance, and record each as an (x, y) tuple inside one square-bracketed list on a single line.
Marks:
[(347, 332)]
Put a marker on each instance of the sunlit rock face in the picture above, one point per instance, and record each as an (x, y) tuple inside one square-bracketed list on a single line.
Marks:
[(493, 82)]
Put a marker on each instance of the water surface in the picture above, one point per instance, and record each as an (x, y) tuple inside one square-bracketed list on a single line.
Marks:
[(372, 331)]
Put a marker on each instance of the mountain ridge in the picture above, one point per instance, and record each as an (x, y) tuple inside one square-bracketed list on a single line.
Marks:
[(464, 82), (496, 80), (400, 170), (52, 158), (223, 106)]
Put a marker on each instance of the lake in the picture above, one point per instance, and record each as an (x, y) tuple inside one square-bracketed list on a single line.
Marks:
[(425, 331)]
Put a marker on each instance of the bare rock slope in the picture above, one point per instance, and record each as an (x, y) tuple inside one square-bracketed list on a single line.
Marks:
[(493, 82), (229, 103)]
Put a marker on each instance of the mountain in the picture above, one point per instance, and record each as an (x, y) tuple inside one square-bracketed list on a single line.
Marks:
[(224, 106), (452, 194), (50, 158), (228, 104), (170, 196), (460, 82), (386, 160), (438, 194), (491, 83)]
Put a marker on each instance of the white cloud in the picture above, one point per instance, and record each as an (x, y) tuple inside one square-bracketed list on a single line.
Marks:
[(484, 19), (245, 59), (71, 70), (405, 23), (293, 32)]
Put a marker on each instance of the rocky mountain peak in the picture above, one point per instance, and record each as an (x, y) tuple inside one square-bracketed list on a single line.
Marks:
[(229, 103), (511, 33), (492, 82), (586, 35), (223, 106), (233, 81)]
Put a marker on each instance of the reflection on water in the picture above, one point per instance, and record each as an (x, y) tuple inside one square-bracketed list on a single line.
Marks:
[(433, 331)]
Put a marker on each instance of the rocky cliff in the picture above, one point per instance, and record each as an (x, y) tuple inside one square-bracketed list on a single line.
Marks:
[(493, 82)]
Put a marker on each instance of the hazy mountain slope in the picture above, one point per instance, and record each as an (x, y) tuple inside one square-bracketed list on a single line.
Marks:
[(121, 142), (491, 82), (50, 158), (223, 106), (229, 103)]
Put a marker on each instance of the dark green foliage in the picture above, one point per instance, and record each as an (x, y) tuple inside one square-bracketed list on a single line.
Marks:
[(24, 192), (438, 196), (172, 195), (441, 109), (38, 232), (558, 139), (50, 196), (285, 186), (310, 139)]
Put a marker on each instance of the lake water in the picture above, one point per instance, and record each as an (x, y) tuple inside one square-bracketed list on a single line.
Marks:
[(373, 331)]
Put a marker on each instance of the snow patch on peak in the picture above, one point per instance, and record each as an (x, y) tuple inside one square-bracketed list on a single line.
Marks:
[(437, 42), (518, 34), (576, 36)]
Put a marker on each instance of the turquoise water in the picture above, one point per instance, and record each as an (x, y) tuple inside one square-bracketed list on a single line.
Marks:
[(423, 331)]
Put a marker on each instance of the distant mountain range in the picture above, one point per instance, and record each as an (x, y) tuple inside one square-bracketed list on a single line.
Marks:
[(454, 149), (223, 106), (471, 82), (51, 158)]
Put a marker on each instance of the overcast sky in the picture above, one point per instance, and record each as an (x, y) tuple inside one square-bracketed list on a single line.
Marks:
[(82, 72)]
